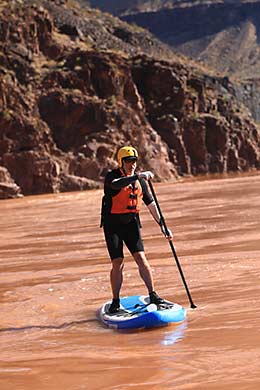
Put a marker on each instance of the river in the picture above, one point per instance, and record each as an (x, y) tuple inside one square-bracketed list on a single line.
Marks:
[(54, 275)]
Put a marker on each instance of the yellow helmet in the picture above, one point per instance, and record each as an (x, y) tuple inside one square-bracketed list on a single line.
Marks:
[(126, 152)]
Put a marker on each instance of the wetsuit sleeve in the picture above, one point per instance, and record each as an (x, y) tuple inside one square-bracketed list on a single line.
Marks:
[(147, 197), (121, 182)]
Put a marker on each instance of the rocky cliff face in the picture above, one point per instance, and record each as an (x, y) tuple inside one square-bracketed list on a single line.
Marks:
[(128, 7), (223, 35), (67, 106), (125, 7)]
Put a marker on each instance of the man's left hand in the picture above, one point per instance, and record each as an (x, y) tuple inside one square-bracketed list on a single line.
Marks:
[(167, 233)]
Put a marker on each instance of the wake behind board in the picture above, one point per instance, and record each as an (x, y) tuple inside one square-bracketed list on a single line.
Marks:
[(137, 312)]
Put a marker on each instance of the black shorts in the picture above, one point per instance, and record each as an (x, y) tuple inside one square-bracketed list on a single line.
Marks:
[(118, 234)]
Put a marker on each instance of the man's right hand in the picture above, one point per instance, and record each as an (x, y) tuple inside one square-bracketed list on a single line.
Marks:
[(147, 175)]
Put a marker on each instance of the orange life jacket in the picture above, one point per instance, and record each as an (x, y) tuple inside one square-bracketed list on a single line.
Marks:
[(128, 200)]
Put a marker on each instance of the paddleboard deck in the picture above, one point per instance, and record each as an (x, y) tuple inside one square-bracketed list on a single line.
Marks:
[(137, 312)]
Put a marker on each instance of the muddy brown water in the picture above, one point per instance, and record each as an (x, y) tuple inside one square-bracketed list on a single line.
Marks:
[(54, 275)]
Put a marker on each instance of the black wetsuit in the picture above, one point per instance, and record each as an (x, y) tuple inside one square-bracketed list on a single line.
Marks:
[(122, 228)]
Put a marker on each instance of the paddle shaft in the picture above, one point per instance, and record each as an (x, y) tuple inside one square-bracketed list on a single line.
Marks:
[(163, 223)]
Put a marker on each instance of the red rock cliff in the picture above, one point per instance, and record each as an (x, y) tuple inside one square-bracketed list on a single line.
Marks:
[(66, 107)]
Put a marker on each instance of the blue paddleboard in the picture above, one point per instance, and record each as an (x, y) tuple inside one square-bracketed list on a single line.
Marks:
[(137, 312)]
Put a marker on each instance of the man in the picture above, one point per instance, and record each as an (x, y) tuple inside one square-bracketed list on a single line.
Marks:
[(124, 191)]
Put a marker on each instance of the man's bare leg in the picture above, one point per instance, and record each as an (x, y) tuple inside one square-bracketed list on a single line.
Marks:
[(144, 270)]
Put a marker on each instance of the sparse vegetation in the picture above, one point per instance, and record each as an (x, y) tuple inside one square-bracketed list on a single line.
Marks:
[(111, 100), (7, 115)]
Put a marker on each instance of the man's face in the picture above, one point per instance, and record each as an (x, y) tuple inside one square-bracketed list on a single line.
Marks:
[(129, 167)]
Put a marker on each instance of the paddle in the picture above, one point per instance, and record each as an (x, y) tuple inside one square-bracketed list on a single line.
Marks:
[(192, 305)]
